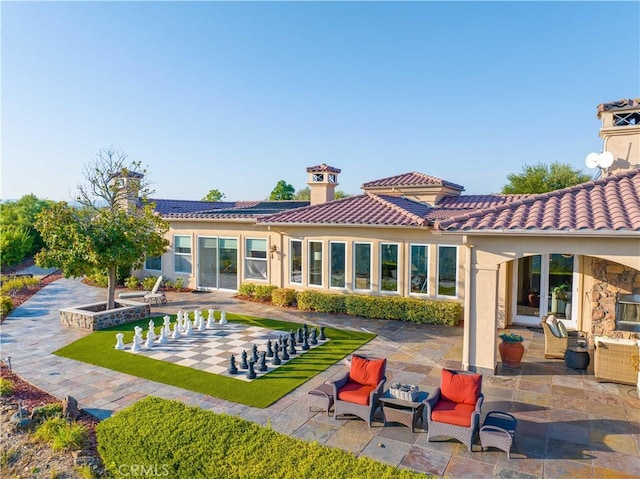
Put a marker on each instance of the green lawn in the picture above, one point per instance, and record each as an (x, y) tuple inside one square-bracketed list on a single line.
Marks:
[(98, 348)]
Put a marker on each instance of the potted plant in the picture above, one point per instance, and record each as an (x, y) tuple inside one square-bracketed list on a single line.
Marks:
[(511, 349), (559, 295)]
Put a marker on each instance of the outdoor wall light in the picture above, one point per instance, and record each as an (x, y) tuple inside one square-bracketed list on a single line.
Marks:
[(273, 249)]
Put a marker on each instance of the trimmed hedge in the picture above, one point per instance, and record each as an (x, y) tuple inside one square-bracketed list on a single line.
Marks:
[(6, 305), (284, 297), (322, 302), (171, 439)]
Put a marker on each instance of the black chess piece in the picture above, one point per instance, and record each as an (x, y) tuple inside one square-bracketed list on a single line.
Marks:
[(314, 336), (269, 349), (285, 354), (276, 357), (254, 354), (232, 365), (243, 360), (292, 336), (252, 372), (292, 348), (305, 330), (305, 344), (322, 336), (262, 363)]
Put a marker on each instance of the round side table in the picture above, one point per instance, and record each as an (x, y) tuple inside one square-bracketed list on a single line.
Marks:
[(577, 358)]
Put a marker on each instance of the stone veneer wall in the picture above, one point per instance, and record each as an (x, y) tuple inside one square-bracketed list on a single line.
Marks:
[(609, 279), (92, 317)]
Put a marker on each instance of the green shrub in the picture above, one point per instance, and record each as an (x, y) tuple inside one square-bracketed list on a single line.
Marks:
[(6, 387), (12, 286), (50, 410), (15, 244), (100, 279), (247, 289), (179, 283), (263, 292), (322, 302), (62, 434), (6, 305), (149, 282), (167, 284), (284, 297), (131, 282), (192, 442)]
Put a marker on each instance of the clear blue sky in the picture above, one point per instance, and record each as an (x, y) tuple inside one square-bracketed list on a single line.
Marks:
[(237, 96)]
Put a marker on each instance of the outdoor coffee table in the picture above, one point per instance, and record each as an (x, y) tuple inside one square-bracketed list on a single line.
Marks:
[(399, 410), (321, 397)]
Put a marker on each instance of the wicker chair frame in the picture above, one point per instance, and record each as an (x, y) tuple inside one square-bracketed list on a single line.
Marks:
[(612, 362), (554, 346)]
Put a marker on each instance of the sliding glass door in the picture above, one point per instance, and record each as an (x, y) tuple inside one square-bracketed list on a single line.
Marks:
[(217, 263)]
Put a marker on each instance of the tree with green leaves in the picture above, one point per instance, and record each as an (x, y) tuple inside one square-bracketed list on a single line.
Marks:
[(541, 178), (304, 194), (282, 191), (214, 195), (115, 226)]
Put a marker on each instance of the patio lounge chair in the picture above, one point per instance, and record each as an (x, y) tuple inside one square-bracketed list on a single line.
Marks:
[(454, 408), (557, 339), (155, 293), (358, 391)]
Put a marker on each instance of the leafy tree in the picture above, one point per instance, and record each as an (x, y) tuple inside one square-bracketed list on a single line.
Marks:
[(541, 178), (214, 195), (115, 227), (303, 194), (282, 191), (21, 216), (340, 194)]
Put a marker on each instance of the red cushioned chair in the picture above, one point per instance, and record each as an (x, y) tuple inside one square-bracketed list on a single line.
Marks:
[(453, 409), (357, 393)]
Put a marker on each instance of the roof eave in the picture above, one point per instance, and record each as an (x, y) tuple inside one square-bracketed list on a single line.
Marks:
[(537, 232)]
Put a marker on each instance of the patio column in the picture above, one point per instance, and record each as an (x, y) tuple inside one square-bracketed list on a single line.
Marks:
[(479, 346)]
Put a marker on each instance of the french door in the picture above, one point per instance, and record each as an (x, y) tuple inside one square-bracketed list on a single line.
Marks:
[(545, 284), (217, 263)]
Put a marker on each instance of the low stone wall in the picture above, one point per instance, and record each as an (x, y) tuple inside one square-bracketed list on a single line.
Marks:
[(93, 317)]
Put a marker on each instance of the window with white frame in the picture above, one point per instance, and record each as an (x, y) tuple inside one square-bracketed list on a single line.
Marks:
[(419, 268), (295, 261), (315, 263), (447, 270), (255, 259), (362, 265), (182, 254), (153, 263), (388, 267), (338, 255)]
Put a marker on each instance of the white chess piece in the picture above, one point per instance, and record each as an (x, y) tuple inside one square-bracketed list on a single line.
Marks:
[(167, 325), (223, 318), (120, 344), (152, 330), (211, 320), (149, 342), (201, 326), (188, 331), (176, 331), (137, 339), (163, 337)]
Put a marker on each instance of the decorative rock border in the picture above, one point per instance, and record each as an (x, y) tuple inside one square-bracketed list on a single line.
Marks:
[(94, 316)]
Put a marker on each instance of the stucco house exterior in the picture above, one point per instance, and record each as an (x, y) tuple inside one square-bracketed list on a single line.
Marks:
[(510, 259)]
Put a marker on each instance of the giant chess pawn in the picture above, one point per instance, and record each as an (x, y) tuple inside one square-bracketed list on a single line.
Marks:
[(149, 342), (243, 360), (167, 325), (163, 336), (201, 325), (152, 330), (233, 369), (188, 330), (285, 354), (314, 336), (262, 363), (292, 348), (252, 373), (305, 344), (269, 349), (211, 319), (322, 336), (223, 317), (176, 330), (119, 343), (254, 353), (276, 357)]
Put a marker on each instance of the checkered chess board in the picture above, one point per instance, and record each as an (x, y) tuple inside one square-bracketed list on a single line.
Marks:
[(210, 350)]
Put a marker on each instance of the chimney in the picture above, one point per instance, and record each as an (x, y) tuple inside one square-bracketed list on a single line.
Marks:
[(128, 189), (620, 132), (322, 182)]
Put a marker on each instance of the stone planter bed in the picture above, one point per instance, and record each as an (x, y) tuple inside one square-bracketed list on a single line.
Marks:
[(95, 316)]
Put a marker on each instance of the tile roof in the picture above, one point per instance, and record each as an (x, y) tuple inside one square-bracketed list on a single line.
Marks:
[(366, 209), (411, 179), (323, 167), (222, 209), (474, 202), (608, 204), (625, 103)]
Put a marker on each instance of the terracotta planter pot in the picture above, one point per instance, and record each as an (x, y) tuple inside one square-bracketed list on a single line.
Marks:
[(511, 354)]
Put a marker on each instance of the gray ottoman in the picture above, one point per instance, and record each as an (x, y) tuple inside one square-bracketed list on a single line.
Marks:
[(498, 430)]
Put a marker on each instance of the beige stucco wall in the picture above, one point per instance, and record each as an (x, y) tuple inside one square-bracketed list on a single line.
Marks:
[(622, 141)]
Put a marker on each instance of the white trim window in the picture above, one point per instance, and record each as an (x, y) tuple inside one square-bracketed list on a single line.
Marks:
[(447, 280), (362, 266), (315, 263), (338, 264), (419, 269), (153, 263), (182, 262), (389, 267), (255, 259), (295, 261)]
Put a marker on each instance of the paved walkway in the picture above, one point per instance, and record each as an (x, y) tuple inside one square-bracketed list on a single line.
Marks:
[(569, 425)]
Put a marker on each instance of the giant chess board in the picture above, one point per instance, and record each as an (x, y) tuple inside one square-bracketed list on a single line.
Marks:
[(210, 348)]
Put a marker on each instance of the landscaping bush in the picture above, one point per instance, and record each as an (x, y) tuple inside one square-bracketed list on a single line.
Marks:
[(15, 244), (179, 283), (284, 297), (149, 282), (50, 410), (6, 387), (322, 302), (247, 289), (6, 305), (62, 434), (131, 282), (12, 286), (263, 292), (191, 442), (100, 279)]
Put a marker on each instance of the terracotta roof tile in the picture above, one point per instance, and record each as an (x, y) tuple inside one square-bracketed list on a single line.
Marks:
[(474, 202), (223, 209), (623, 104), (323, 167), (411, 179), (610, 203)]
